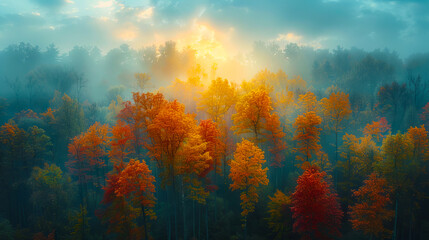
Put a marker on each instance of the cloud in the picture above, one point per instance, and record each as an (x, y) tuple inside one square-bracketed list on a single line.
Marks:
[(50, 3), (104, 4), (368, 24)]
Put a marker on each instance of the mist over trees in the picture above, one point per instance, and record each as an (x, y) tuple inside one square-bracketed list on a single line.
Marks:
[(162, 143)]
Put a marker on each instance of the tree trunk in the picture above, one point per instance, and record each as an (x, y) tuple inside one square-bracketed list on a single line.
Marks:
[(145, 224), (207, 221), (396, 220)]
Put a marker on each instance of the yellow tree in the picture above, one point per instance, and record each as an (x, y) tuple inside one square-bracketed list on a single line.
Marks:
[(397, 149), (247, 175), (336, 109), (220, 96), (253, 110), (307, 135)]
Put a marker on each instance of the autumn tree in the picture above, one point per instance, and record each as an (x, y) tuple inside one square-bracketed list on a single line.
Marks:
[(280, 215), (247, 175), (419, 138), (360, 157), (216, 101), (168, 132), (275, 135), (139, 114), (120, 142), (336, 109), (307, 135), (119, 214), (307, 102), (370, 213), (376, 129), (195, 163), (87, 159), (136, 182), (315, 208), (253, 110), (397, 150)]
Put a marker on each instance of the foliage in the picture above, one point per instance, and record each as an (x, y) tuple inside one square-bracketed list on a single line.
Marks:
[(253, 110), (280, 218), (307, 135), (247, 174), (370, 213), (315, 208)]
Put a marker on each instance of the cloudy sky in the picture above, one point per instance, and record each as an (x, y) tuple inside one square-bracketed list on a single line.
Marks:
[(227, 26)]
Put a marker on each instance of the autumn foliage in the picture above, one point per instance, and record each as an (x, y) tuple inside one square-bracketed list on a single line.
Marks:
[(315, 207), (377, 128), (247, 174), (307, 135), (371, 213)]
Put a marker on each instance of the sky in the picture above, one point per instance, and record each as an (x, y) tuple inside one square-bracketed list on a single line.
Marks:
[(218, 27)]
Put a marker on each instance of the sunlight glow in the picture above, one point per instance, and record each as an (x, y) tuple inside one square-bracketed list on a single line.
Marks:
[(206, 41)]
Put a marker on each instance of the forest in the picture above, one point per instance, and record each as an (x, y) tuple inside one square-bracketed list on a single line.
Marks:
[(341, 153), (214, 120)]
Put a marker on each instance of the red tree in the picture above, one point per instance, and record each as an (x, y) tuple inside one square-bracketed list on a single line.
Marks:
[(315, 208)]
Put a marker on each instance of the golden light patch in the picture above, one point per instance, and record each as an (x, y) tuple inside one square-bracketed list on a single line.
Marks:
[(126, 34), (145, 14), (205, 40)]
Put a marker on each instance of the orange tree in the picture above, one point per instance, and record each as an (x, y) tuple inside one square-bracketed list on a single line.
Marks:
[(135, 181), (307, 135), (336, 109), (247, 175), (370, 212)]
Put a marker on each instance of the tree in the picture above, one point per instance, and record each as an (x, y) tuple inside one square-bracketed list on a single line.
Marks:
[(280, 219), (50, 189), (307, 102), (119, 214), (315, 208), (120, 142), (196, 162), (135, 181), (307, 135), (142, 79), (336, 109), (253, 110), (167, 132), (419, 138), (218, 99), (376, 129), (397, 149), (370, 213), (275, 136), (139, 115), (247, 175)]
